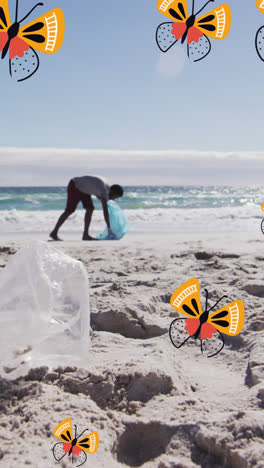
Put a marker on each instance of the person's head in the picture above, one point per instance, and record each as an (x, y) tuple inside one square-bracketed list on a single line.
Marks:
[(116, 191)]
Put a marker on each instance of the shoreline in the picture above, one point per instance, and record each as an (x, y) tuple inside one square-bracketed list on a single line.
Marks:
[(239, 242)]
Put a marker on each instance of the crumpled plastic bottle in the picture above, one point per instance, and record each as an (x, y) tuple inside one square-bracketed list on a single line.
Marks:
[(44, 307)]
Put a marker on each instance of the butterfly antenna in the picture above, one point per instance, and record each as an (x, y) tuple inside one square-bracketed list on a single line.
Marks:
[(203, 7), (75, 430), (82, 433), (193, 7), (206, 299), (16, 10), (217, 303), (38, 4)]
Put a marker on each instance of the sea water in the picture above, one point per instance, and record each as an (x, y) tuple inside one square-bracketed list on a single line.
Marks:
[(176, 209)]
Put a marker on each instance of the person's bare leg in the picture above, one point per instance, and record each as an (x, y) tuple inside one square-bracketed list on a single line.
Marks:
[(87, 222), (61, 220)]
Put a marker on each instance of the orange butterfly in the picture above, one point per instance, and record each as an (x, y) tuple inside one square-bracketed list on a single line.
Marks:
[(71, 445), (45, 34), (186, 300), (216, 24)]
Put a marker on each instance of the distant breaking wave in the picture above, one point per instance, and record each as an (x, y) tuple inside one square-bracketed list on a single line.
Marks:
[(172, 209), (53, 198)]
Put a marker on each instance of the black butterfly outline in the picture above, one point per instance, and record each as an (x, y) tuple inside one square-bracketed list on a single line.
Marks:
[(189, 23), (73, 443), (203, 319), (262, 226), (12, 33), (192, 49), (29, 59), (259, 41)]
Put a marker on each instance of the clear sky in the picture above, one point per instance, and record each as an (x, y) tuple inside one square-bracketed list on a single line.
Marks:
[(110, 88)]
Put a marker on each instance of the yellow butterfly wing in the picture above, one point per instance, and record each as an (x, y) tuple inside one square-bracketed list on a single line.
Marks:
[(45, 33), (5, 21), (260, 5), (174, 9), (89, 443), (186, 299), (229, 319), (215, 24), (63, 430)]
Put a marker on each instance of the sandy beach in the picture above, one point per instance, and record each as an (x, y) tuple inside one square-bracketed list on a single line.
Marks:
[(141, 121), (152, 405)]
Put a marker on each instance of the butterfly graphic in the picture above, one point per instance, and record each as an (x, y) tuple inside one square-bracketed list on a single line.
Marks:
[(259, 40), (44, 34), (216, 24), (71, 445), (228, 320), (262, 221)]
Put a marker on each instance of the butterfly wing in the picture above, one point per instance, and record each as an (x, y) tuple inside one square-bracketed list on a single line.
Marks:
[(63, 431), (229, 319), (89, 443), (5, 23), (212, 346), (45, 33), (164, 37), (178, 333), (174, 10), (169, 33), (260, 5), (259, 43), (186, 299), (262, 226), (22, 68), (199, 50), (58, 451), (79, 459), (215, 24)]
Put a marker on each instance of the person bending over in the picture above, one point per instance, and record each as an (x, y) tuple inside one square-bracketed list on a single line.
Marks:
[(81, 189)]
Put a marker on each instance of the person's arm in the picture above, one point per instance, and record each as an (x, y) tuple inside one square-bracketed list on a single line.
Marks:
[(106, 216)]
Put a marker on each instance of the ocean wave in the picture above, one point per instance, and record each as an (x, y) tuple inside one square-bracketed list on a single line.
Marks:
[(232, 219), (187, 198)]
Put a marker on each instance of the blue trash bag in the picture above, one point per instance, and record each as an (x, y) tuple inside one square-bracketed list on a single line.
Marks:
[(118, 222)]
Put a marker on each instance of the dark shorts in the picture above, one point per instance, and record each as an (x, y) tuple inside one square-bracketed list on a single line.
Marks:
[(74, 196)]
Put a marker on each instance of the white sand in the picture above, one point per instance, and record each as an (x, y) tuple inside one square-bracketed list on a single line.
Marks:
[(152, 405)]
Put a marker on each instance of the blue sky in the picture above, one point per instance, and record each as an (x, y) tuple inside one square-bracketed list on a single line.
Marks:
[(109, 87)]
